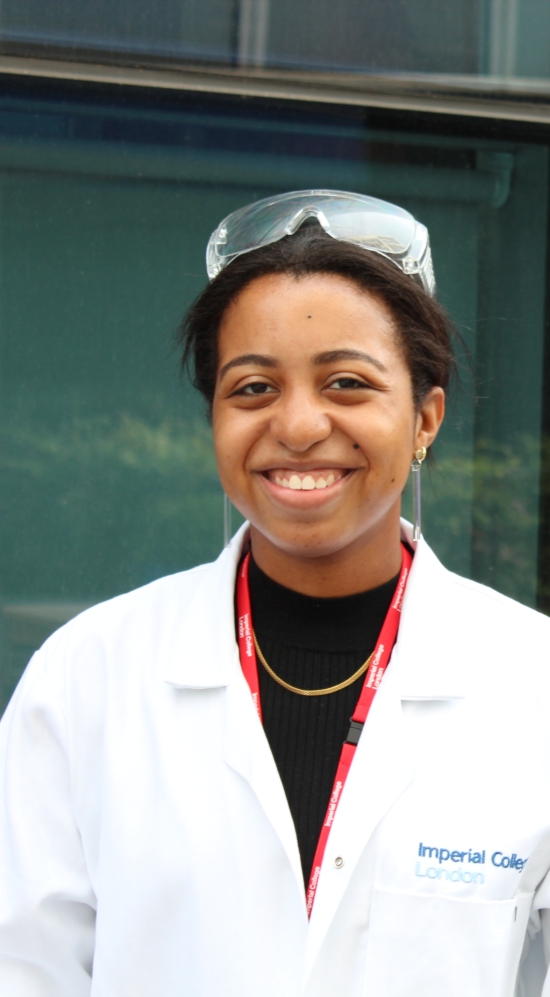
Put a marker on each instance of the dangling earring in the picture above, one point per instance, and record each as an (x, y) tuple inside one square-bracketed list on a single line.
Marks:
[(226, 521), (416, 467)]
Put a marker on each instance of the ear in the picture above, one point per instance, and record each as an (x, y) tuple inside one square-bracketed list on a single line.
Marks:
[(429, 418)]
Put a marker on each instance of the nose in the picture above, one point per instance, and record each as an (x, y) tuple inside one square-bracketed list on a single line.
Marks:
[(300, 422)]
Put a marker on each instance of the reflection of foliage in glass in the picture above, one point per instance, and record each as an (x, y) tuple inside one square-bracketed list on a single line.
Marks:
[(102, 505), (505, 516), (481, 513)]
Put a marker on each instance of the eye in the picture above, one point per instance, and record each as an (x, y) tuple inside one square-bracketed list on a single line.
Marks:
[(254, 389), (347, 384)]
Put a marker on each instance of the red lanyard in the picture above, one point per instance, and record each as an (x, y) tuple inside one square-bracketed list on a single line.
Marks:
[(373, 678)]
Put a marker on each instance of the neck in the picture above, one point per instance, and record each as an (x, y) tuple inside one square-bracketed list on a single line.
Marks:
[(363, 565)]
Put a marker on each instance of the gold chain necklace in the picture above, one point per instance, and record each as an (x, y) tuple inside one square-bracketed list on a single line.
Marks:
[(310, 692)]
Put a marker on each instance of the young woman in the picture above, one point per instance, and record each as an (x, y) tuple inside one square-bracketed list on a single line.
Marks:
[(321, 765)]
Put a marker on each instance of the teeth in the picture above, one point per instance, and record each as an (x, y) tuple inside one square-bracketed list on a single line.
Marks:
[(306, 483)]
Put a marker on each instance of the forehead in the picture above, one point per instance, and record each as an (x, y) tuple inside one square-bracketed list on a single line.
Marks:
[(294, 317)]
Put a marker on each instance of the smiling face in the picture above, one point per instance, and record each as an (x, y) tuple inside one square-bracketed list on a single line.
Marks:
[(315, 428)]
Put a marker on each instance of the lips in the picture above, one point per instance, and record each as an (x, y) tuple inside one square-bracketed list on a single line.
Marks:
[(306, 481)]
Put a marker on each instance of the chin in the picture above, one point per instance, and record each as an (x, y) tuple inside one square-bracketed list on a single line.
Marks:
[(308, 543)]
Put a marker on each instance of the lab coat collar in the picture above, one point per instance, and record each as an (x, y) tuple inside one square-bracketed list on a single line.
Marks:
[(428, 661), (202, 653)]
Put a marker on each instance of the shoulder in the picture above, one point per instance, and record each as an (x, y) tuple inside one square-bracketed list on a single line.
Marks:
[(501, 643), (474, 624), (459, 636), (122, 635), (467, 602), (453, 605), (160, 596), (486, 603), (152, 606), (142, 636)]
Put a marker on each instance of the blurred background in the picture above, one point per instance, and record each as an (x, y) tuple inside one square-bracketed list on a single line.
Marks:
[(127, 131)]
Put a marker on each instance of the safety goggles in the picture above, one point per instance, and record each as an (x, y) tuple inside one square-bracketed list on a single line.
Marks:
[(375, 225)]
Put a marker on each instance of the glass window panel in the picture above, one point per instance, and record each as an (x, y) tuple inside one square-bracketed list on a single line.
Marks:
[(389, 35), (502, 38), (164, 28), (107, 470)]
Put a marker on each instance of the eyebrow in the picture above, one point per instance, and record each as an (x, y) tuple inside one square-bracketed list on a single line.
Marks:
[(335, 356), (331, 356), (258, 359)]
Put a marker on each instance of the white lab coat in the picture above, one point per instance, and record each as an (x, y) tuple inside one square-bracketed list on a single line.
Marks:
[(144, 825)]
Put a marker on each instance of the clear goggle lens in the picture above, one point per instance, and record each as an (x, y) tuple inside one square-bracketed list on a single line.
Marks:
[(368, 222)]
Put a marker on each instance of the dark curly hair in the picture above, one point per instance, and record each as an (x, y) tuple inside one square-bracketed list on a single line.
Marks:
[(423, 328)]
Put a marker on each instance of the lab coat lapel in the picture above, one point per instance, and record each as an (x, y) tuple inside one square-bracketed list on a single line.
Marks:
[(200, 651), (379, 773), (204, 655), (247, 751), (382, 768)]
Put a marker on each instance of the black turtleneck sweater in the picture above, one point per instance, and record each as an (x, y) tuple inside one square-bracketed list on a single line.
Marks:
[(311, 643)]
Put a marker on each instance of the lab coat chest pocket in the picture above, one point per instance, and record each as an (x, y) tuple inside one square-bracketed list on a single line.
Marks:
[(422, 945)]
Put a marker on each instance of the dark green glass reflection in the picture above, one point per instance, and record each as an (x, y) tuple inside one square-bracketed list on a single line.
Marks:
[(107, 474)]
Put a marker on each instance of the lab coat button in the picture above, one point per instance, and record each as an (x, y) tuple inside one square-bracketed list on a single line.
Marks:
[(338, 862)]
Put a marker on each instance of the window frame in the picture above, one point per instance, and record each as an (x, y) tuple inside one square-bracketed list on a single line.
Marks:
[(514, 100)]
